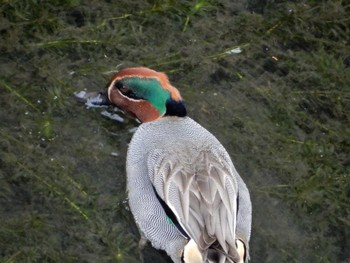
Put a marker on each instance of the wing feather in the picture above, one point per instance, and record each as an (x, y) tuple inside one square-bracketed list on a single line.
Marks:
[(201, 189)]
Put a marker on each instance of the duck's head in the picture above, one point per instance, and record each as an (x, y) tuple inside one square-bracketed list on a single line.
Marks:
[(145, 94)]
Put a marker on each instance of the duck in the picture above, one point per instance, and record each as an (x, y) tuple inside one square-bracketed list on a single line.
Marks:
[(184, 192)]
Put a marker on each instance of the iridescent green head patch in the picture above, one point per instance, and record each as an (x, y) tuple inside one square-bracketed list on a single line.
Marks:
[(149, 89)]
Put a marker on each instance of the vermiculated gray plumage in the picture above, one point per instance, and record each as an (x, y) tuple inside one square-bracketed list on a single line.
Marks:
[(193, 174)]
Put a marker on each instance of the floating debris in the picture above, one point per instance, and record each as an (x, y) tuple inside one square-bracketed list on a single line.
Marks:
[(132, 130), (112, 116), (236, 50), (92, 99)]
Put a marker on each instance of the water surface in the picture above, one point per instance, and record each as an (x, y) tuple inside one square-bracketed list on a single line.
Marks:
[(270, 79)]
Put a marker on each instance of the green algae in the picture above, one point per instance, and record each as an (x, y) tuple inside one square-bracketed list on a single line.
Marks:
[(280, 106)]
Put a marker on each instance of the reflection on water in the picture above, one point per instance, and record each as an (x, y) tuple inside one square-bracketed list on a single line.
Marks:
[(271, 80)]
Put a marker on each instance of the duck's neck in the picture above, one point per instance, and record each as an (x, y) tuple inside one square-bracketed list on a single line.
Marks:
[(175, 108)]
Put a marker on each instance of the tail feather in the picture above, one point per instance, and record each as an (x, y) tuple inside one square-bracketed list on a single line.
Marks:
[(215, 254), (191, 253)]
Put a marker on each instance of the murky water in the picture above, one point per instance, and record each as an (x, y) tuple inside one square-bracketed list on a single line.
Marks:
[(271, 80)]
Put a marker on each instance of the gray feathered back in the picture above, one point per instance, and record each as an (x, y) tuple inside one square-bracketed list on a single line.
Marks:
[(191, 171)]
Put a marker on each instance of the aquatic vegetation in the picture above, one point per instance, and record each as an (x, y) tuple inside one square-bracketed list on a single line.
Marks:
[(280, 106)]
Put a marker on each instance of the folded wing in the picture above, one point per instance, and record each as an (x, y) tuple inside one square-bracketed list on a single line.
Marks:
[(201, 190)]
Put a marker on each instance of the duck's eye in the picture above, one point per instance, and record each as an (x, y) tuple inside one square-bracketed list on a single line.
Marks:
[(119, 85), (125, 90)]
